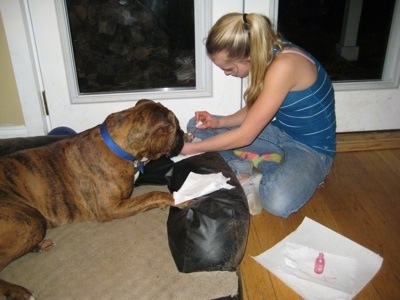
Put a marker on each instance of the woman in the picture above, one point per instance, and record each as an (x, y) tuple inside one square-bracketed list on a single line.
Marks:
[(287, 128)]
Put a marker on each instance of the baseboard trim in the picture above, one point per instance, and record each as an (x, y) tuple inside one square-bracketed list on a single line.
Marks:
[(13, 131), (346, 142), (371, 140)]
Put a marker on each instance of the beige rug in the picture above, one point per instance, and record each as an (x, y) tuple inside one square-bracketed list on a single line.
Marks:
[(122, 259)]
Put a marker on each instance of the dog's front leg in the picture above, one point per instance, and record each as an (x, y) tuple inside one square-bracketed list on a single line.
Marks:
[(129, 207)]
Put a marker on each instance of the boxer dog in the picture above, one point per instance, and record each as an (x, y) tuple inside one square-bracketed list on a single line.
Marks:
[(88, 176)]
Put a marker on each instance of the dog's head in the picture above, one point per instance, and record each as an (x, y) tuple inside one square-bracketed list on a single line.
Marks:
[(148, 130)]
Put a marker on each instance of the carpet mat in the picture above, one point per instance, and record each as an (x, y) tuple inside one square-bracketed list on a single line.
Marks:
[(121, 259)]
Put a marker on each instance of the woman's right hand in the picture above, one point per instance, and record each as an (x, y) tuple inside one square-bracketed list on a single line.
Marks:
[(208, 121)]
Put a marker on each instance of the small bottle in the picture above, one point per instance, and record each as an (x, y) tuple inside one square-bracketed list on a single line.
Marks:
[(319, 264)]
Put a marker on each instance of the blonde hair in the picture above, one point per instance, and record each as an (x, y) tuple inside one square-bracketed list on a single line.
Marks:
[(245, 36)]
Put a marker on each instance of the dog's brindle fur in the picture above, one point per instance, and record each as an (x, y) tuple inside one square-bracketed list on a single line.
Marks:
[(79, 178)]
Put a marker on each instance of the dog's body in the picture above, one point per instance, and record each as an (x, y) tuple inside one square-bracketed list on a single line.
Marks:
[(80, 178)]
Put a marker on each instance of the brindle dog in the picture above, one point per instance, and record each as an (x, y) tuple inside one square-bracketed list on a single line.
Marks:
[(89, 176)]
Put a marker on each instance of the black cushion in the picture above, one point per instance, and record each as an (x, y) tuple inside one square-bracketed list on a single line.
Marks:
[(154, 172), (11, 145), (211, 233)]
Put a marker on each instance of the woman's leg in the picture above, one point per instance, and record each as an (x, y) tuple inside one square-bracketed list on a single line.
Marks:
[(287, 186), (238, 165), (266, 142)]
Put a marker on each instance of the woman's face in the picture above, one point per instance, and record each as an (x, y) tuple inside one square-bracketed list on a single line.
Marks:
[(239, 68)]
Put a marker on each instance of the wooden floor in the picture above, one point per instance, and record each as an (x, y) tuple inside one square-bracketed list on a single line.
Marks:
[(361, 201)]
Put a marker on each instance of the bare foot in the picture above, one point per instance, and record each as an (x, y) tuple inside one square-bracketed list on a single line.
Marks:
[(251, 188)]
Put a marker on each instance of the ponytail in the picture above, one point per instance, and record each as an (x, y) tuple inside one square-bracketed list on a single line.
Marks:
[(245, 36)]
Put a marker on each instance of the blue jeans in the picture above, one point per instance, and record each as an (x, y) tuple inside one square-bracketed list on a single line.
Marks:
[(286, 186)]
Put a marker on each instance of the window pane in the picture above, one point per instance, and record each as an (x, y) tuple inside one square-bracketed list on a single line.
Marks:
[(131, 45), (317, 26)]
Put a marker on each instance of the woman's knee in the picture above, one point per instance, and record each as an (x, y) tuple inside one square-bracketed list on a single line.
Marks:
[(277, 207), (282, 202)]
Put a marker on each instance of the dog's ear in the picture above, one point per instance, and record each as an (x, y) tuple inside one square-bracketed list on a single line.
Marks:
[(146, 130), (164, 129), (142, 101), (163, 137)]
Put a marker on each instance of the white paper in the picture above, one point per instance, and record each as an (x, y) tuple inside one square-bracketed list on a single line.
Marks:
[(338, 272), (197, 185), (362, 262), (180, 157)]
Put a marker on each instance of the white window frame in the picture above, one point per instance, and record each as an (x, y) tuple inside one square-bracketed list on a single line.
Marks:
[(203, 65), (391, 70)]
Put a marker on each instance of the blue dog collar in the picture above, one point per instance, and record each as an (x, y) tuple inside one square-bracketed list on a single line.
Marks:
[(117, 149)]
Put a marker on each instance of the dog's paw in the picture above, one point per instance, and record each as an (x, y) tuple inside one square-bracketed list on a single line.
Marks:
[(185, 204), (16, 292), (44, 245)]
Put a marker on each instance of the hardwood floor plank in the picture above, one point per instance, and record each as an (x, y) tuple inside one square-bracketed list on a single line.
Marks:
[(259, 284), (391, 159), (373, 140), (360, 200), (387, 281)]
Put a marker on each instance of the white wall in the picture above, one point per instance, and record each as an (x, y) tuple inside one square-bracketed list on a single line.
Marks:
[(357, 109)]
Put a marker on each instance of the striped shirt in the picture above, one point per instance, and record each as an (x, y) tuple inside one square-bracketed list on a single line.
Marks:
[(308, 116)]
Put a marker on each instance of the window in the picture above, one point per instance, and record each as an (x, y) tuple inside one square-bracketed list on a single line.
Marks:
[(349, 37), (128, 47)]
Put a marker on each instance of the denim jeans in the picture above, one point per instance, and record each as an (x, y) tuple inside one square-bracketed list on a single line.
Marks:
[(286, 186)]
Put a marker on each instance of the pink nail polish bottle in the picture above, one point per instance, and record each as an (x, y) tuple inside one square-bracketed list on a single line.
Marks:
[(319, 264)]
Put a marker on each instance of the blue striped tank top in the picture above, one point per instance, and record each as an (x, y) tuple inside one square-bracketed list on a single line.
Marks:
[(308, 116)]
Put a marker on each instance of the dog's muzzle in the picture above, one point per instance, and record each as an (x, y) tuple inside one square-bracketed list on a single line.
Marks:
[(178, 144)]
